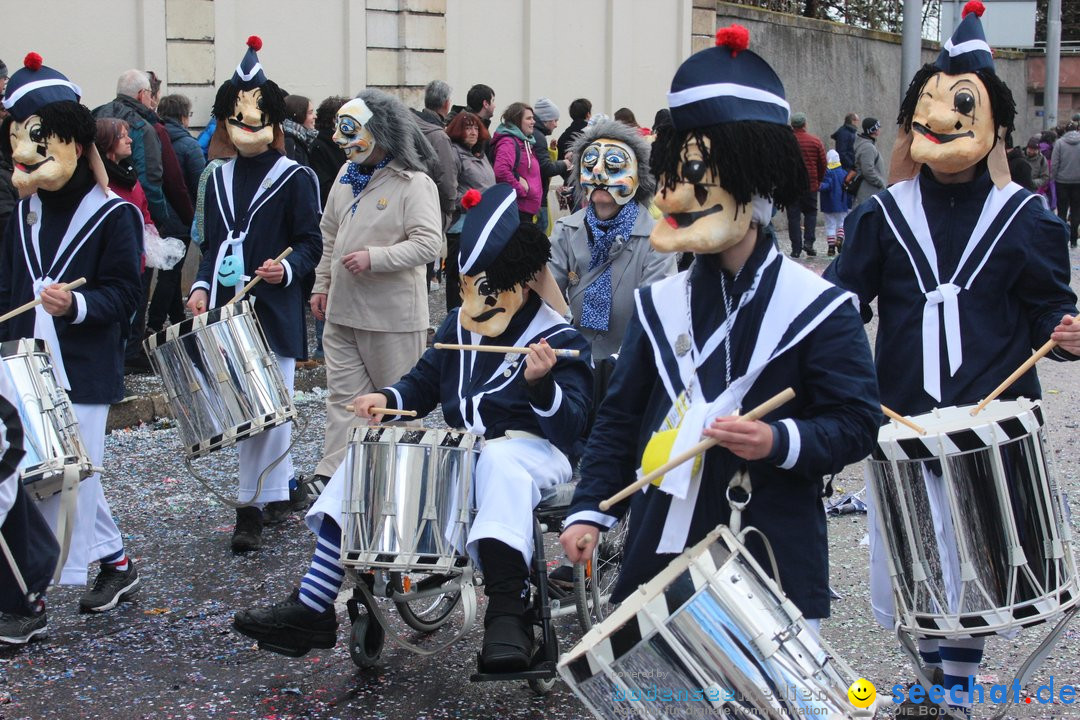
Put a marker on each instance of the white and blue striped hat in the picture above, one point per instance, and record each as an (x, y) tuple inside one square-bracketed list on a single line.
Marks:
[(249, 73), (967, 50), (726, 84), (34, 86), (489, 226)]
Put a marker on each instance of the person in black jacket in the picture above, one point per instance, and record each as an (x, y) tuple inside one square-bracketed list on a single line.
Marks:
[(580, 112), (844, 137), (547, 119)]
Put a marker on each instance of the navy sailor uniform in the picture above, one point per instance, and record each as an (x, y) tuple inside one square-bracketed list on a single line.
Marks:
[(788, 328), (532, 432)]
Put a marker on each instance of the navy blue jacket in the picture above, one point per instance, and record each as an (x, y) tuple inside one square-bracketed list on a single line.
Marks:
[(556, 408), (92, 346), (289, 218), (844, 137), (835, 409), (1014, 303)]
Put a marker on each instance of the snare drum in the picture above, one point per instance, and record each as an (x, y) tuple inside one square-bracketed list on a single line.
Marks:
[(51, 429), (972, 521), (710, 635), (409, 501), (222, 382)]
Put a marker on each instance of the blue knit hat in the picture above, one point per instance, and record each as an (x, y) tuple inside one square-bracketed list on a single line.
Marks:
[(34, 86), (249, 73), (489, 225), (967, 51), (725, 84)]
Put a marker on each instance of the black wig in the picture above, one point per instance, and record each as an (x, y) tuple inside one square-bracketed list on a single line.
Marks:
[(1002, 105), (272, 102), (750, 158), (525, 255)]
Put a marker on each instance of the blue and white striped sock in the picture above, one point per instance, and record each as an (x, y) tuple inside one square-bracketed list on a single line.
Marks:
[(928, 651), (320, 586), (960, 658)]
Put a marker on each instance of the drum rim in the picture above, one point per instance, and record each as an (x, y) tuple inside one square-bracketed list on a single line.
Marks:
[(230, 437), (24, 346), (188, 325), (901, 443)]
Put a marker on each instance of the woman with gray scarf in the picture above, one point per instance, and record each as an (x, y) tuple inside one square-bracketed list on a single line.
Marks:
[(601, 253)]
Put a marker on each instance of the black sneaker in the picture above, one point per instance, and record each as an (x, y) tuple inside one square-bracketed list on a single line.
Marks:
[(111, 586), (21, 629), (315, 485), (274, 513), (832, 250), (288, 627), (810, 252), (247, 535), (508, 644)]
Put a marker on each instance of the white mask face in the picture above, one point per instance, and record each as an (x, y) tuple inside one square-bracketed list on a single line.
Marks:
[(248, 126), (41, 162), (351, 133), (609, 165)]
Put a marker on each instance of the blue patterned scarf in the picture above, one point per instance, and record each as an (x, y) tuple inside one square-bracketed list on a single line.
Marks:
[(596, 305), (359, 179)]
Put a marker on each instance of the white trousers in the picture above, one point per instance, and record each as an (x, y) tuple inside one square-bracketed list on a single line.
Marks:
[(94, 534), (257, 452), (833, 222), (510, 475)]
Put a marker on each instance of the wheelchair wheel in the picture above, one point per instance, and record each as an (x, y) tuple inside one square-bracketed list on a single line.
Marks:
[(541, 687), (426, 614), (594, 579), (366, 641)]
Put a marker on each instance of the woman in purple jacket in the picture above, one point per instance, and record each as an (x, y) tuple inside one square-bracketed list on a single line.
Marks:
[(515, 162)]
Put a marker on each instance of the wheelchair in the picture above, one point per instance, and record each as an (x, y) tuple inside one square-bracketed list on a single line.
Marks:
[(427, 602)]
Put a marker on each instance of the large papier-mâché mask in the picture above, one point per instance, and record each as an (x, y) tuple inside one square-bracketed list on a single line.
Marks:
[(952, 127), (351, 133), (42, 162), (608, 164), (249, 126), (700, 216), (484, 311)]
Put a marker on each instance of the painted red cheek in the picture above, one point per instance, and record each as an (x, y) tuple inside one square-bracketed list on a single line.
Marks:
[(672, 222)]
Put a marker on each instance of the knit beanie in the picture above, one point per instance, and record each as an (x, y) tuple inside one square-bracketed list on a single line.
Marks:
[(545, 110)]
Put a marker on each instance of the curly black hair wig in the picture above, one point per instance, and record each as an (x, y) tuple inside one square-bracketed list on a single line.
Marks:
[(272, 102), (1002, 105), (67, 119), (525, 255), (750, 158)]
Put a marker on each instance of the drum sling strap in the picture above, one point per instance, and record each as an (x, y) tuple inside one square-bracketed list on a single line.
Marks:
[(905, 215)]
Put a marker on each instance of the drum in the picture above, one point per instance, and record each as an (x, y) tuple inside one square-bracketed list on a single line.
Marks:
[(711, 635), (972, 521), (408, 506), (52, 438), (221, 380)]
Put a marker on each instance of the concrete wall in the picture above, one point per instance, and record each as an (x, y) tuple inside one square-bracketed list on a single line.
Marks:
[(830, 69), (614, 52)]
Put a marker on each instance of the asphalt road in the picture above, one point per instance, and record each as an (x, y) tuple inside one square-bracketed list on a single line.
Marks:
[(171, 654)]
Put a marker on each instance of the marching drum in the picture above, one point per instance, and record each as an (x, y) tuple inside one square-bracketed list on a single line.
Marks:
[(222, 382), (52, 440), (972, 521), (409, 501), (711, 634)]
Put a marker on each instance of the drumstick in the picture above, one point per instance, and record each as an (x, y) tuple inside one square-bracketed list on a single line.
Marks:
[(761, 410), (1028, 364), (584, 540), (244, 290), (37, 301), (903, 420), (384, 411), (559, 352)]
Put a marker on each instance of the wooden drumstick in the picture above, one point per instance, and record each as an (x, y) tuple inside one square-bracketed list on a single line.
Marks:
[(256, 279), (1028, 364), (559, 352), (384, 411), (584, 540), (761, 410), (903, 420), (37, 301)]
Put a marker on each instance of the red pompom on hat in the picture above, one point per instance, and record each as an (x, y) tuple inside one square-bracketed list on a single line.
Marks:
[(471, 199), (254, 42), (974, 6), (32, 61), (734, 37)]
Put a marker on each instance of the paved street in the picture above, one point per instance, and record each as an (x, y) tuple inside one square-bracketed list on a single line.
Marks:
[(172, 654)]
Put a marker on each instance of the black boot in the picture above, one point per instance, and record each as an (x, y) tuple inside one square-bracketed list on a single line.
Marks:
[(289, 627), (508, 635), (247, 535)]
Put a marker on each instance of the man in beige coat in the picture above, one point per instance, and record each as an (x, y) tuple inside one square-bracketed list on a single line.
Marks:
[(382, 224)]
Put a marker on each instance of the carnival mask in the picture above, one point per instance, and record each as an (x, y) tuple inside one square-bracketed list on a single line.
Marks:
[(42, 162), (484, 311), (609, 165), (952, 127), (351, 133), (248, 126), (701, 216)]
